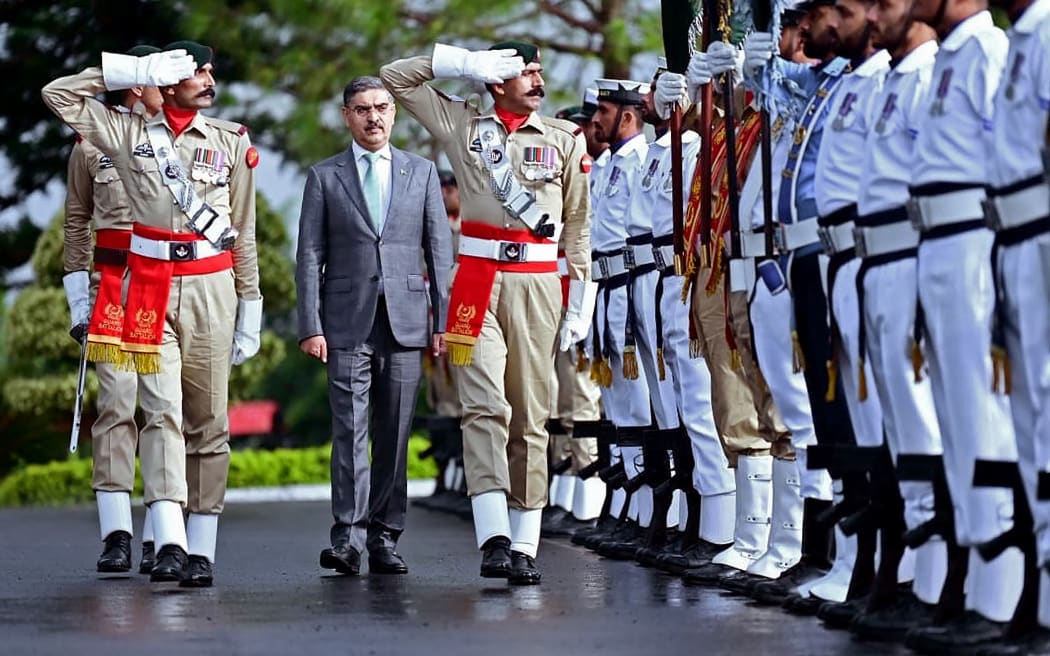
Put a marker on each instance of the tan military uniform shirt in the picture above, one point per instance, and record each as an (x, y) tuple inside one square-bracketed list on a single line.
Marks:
[(122, 136), (455, 122), (94, 191)]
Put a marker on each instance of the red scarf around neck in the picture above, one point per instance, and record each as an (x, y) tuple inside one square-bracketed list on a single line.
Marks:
[(511, 120), (179, 119)]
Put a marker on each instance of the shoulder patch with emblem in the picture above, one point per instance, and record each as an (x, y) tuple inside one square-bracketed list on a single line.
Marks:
[(229, 126), (251, 158), (586, 163)]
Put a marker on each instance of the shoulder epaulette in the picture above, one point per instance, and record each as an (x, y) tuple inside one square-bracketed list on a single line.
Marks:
[(229, 126), (79, 138), (561, 124)]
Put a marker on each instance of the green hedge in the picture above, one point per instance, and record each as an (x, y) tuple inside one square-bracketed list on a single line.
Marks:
[(69, 481)]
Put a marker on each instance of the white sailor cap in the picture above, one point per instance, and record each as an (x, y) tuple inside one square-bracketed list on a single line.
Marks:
[(622, 92)]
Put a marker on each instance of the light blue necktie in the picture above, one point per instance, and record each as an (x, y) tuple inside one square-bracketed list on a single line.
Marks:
[(373, 195)]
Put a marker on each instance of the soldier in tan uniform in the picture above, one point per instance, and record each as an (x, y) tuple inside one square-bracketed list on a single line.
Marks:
[(523, 188), (95, 197), (192, 300)]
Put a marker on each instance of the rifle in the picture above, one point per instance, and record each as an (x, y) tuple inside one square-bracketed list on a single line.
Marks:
[(74, 435), (678, 19)]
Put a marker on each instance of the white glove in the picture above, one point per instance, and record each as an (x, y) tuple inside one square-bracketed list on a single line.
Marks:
[(485, 66), (578, 315), (721, 58), (76, 285), (670, 90), (697, 75), (160, 69), (759, 48), (247, 328)]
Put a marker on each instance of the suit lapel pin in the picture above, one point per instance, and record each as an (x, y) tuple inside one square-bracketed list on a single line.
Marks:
[(403, 172)]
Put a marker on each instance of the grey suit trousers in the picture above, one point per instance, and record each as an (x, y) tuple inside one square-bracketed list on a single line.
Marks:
[(372, 390)]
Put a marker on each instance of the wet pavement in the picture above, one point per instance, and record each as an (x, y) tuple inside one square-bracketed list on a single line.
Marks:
[(270, 597)]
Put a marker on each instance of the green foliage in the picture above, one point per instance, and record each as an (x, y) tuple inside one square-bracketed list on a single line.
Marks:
[(38, 330), (16, 243), (47, 256), (69, 481), (246, 380)]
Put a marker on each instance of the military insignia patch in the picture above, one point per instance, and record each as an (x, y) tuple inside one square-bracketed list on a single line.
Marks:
[(105, 162), (586, 163), (251, 158), (143, 150)]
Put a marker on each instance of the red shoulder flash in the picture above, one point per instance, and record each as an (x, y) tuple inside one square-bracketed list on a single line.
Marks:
[(579, 130), (79, 138), (585, 163), (251, 158), (243, 130)]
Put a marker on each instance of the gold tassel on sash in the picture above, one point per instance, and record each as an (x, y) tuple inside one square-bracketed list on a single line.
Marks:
[(110, 354), (460, 355), (862, 383), (605, 374), (1001, 370), (798, 360), (596, 369), (660, 366), (917, 360), (630, 363), (833, 380), (146, 363)]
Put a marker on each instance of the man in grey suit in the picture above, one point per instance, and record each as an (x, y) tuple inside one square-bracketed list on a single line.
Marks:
[(367, 215)]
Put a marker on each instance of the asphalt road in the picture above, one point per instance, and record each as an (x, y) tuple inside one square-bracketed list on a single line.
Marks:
[(270, 597)]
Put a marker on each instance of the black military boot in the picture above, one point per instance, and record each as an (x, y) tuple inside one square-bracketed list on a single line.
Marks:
[(495, 558), (171, 564), (198, 573), (149, 559), (116, 553)]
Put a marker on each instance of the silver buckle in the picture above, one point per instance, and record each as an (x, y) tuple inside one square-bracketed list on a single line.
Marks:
[(628, 258), (603, 266), (658, 257), (914, 210), (824, 234), (992, 218), (512, 251), (858, 242), (780, 237), (182, 251)]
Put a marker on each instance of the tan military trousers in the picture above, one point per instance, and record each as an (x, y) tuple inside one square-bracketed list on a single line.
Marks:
[(732, 398), (577, 399), (184, 443), (114, 435), (506, 390), (771, 426)]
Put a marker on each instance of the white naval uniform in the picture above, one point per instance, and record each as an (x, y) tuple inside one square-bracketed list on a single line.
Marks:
[(625, 401), (1018, 140), (689, 377), (890, 295), (956, 293)]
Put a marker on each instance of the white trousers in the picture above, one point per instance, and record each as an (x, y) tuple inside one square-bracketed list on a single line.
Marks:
[(1024, 270), (661, 392), (890, 293), (692, 392), (955, 288), (771, 324), (625, 402)]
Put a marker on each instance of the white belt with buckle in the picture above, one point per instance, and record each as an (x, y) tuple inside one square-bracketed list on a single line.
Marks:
[(837, 238), (663, 256), (608, 267), (1021, 207), (889, 238), (798, 235), (742, 274), (173, 251), (641, 254), (752, 244), (929, 212), (508, 251)]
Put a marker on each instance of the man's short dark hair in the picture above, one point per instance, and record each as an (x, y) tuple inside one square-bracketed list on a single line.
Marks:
[(363, 83), (447, 178)]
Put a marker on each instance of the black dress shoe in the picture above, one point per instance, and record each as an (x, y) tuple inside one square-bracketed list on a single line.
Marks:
[(892, 623), (495, 558), (198, 573), (149, 559), (841, 615), (171, 564), (523, 569), (710, 574), (796, 604), (116, 553), (1036, 643), (966, 634), (342, 558), (386, 561), (773, 593)]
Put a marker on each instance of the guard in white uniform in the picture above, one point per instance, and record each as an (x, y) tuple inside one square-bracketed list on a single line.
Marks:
[(956, 297)]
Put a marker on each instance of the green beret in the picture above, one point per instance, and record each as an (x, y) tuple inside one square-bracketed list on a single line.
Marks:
[(200, 53), (142, 50), (527, 51)]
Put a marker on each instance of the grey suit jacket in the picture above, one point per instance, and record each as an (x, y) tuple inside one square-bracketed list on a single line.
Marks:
[(340, 257)]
